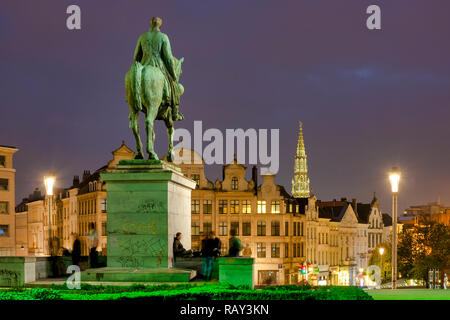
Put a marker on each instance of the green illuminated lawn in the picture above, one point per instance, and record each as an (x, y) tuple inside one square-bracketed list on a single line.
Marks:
[(409, 294), (185, 292)]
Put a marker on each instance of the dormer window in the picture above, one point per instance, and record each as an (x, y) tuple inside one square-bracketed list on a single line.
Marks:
[(234, 183), (196, 178)]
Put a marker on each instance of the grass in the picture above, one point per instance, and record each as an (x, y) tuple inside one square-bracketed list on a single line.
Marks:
[(409, 294)]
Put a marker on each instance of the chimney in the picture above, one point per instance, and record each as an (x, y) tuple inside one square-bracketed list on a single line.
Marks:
[(354, 205), (76, 181), (343, 199), (255, 177), (86, 175)]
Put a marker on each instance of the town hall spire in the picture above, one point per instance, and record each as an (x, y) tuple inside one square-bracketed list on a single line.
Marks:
[(300, 182)]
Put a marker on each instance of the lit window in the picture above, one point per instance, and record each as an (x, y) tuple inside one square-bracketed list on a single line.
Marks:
[(246, 206), (195, 206), (275, 252), (234, 206), (261, 250), (223, 248), (195, 228), (275, 206), (4, 230), (223, 229), (234, 183), (4, 206), (261, 206), (103, 228), (196, 178), (223, 205), (207, 206), (103, 205), (3, 184)]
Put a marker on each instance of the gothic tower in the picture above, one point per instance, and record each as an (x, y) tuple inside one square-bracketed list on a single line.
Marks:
[(300, 182)]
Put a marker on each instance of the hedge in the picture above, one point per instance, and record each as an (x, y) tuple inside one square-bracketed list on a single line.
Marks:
[(187, 292)]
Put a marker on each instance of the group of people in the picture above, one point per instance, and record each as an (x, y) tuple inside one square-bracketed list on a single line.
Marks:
[(93, 244), (211, 249)]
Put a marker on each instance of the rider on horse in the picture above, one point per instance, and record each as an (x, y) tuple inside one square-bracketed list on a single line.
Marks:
[(153, 48)]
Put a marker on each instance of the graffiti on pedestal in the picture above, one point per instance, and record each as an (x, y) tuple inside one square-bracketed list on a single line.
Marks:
[(151, 206), (133, 251), (135, 228), (11, 278)]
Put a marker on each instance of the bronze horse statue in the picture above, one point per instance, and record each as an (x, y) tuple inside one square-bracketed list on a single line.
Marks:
[(152, 87), (144, 92)]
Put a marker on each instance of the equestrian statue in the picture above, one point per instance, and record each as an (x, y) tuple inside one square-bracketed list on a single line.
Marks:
[(152, 87)]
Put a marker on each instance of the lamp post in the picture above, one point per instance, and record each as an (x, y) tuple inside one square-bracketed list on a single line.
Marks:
[(394, 178), (49, 182), (381, 251)]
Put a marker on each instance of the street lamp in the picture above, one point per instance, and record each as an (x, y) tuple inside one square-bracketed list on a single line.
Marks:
[(49, 182), (381, 251), (394, 178)]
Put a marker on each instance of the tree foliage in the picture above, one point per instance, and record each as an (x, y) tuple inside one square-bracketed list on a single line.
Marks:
[(423, 247)]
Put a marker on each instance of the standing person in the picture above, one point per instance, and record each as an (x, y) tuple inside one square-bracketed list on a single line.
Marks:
[(445, 281), (235, 244), (93, 244), (207, 256), (216, 244), (76, 250)]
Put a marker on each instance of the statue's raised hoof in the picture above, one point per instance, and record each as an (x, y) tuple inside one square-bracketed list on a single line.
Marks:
[(152, 156), (138, 155)]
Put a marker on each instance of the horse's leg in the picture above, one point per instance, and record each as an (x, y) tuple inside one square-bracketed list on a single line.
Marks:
[(151, 113), (170, 130), (134, 118)]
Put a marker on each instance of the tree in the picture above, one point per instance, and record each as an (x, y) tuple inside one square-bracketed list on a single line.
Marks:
[(423, 247)]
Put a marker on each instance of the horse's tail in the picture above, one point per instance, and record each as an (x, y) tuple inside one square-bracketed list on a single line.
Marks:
[(133, 86)]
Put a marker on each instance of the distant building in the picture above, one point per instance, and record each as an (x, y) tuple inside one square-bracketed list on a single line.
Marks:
[(7, 202), (73, 210), (269, 222), (431, 212)]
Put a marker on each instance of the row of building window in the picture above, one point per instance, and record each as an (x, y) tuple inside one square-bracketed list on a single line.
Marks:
[(235, 206), (275, 252), (84, 228), (87, 207), (374, 240), (275, 228), (234, 181)]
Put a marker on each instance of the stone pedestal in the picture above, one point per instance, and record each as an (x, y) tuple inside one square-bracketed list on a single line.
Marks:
[(148, 201)]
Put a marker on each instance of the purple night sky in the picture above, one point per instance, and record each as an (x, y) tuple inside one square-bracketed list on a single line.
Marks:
[(368, 100)]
